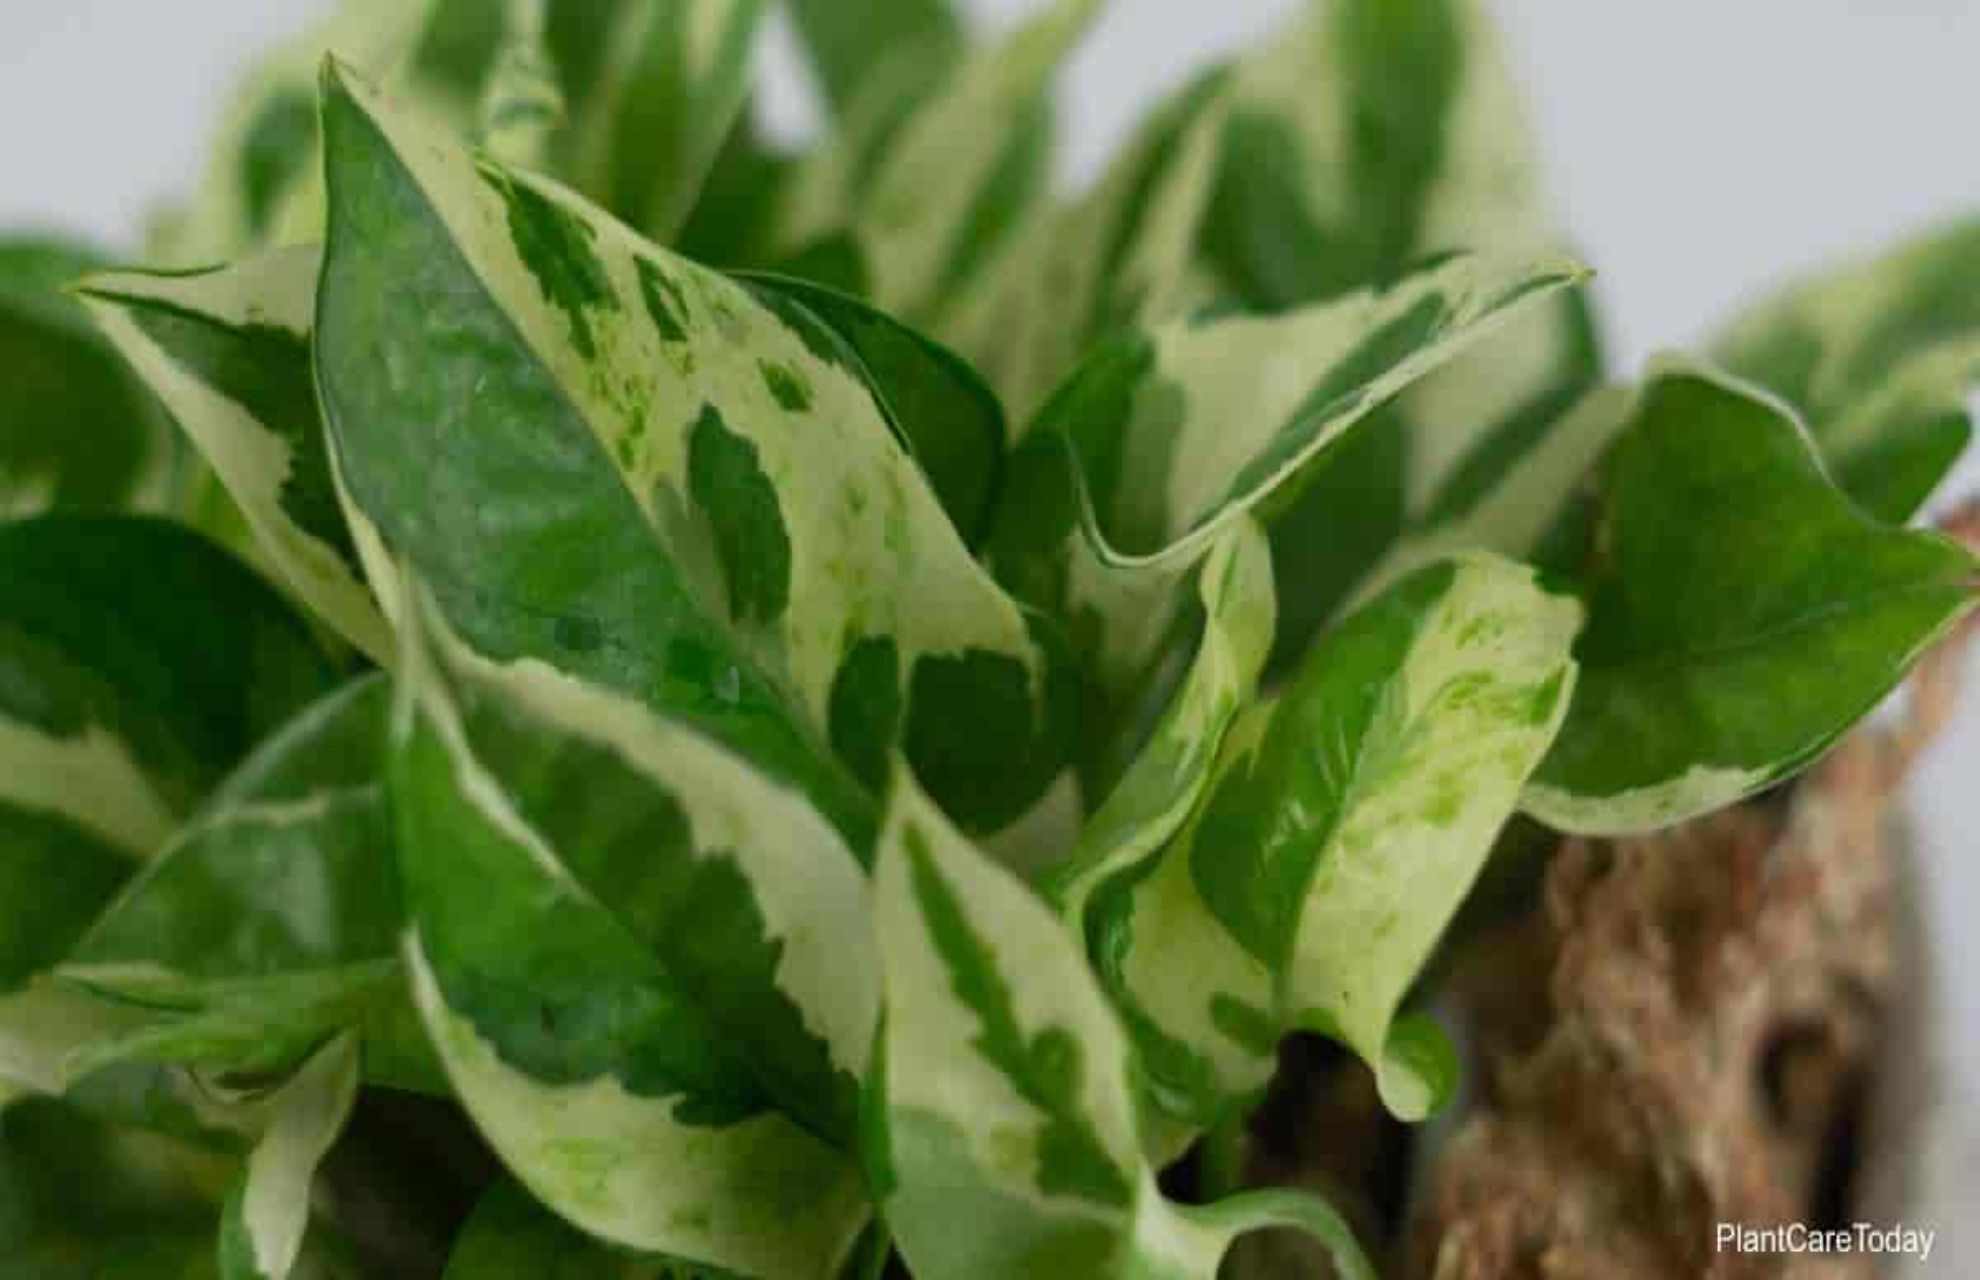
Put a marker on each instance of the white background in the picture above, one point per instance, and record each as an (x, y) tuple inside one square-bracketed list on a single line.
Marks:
[(1700, 149)]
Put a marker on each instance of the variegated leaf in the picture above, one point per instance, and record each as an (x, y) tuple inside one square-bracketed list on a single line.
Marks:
[(140, 664), (263, 184), (272, 910), (1346, 822), (75, 432), (850, 42), (937, 404), (630, 950), (132, 1066), (1743, 614), (228, 352), (522, 106), (1005, 1144), (1376, 134), (1160, 787), (1124, 252), (660, 485), (1165, 437), (1522, 493), (1879, 357), (932, 198), (266, 1214), (668, 82)]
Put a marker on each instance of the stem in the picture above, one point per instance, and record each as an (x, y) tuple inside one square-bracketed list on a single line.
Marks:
[(876, 1249), (1255, 1210)]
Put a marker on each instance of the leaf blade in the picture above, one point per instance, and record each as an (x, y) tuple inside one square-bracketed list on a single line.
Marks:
[(1748, 613)]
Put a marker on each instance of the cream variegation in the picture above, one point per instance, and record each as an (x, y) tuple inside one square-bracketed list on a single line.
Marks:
[(522, 106), (1009, 1145), (754, 455), (264, 184), (760, 1197), (1346, 823), (1744, 610), (750, 1192), (1880, 357), (90, 779), (849, 700), (1154, 797), (1423, 95), (807, 882), (1523, 495), (1125, 251), (1166, 438), (672, 80), (915, 213), (190, 337), (265, 1217)]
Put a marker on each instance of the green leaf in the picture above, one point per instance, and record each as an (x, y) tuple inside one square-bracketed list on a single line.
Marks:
[(733, 222), (1166, 436), (76, 433), (1124, 252), (1346, 822), (55, 877), (228, 352), (1744, 614), (670, 79), (932, 197), (661, 485), (82, 1198), (141, 665), (848, 42), (630, 949), (1879, 357), (267, 1212), (512, 1237), (939, 407), (1005, 1143)]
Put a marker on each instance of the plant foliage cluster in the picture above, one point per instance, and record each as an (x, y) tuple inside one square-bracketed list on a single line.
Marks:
[(837, 704)]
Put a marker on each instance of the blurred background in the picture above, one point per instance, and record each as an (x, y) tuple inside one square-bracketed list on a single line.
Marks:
[(1699, 150)]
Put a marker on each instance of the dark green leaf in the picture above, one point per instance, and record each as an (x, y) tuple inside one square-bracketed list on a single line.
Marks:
[(1743, 615)]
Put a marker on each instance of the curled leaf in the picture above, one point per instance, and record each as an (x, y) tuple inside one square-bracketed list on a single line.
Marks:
[(1345, 824)]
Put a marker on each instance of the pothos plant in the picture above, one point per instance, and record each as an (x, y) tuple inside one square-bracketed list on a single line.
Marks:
[(837, 704)]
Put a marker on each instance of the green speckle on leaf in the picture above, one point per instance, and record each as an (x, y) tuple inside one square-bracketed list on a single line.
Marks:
[(558, 249), (741, 506), (664, 300), (787, 385), (1045, 1069)]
